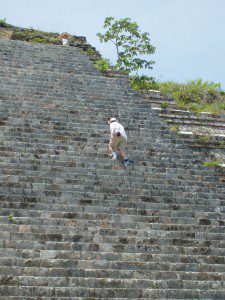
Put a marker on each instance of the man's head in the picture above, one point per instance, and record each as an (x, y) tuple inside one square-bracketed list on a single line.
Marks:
[(112, 120), (65, 35)]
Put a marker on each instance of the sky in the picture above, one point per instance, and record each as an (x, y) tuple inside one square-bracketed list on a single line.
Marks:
[(189, 35)]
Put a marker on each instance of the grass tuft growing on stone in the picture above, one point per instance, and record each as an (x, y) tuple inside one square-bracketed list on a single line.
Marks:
[(211, 163), (10, 218)]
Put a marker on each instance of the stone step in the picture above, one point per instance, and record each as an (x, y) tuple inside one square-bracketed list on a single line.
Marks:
[(153, 146), (187, 115), (152, 199), (204, 116), (98, 186), (162, 262), (107, 241), (172, 172), (203, 210), (111, 282), (26, 253), (147, 204), (78, 144), (52, 266), (98, 143), (76, 105), (54, 56), (92, 154), (18, 175), (76, 61), (147, 213), (54, 91), (43, 121), (161, 168), (155, 196), (105, 207), (110, 293), (49, 102), (75, 166), (60, 69), (50, 175), (37, 59), (90, 162), (65, 250), (54, 76), (73, 184), (111, 273), (63, 94), (20, 59), (99, 132), (153, 222), (202, 140), (193, 119), (95, 157), (152, 151), (198, 247)]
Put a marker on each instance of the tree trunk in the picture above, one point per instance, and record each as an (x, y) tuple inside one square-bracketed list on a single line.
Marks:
[(117, 50)]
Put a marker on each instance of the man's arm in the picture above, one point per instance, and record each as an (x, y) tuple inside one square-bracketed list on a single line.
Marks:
[(113, 130)]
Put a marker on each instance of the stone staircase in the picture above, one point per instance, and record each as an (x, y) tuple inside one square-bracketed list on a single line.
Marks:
[(202, 130), (74, 224)]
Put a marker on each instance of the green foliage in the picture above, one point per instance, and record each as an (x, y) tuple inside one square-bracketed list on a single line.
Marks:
[(175, 129), (203, 138), (54, 40), (3, 23), (130, 43), (194, 91), (22, 35), (154, 285), (143, 83), (165, 105), (211, 163), (35, 36), (90, 51), (222, 144), (102, 64), (195, 95), (10, 218), (38, 40)]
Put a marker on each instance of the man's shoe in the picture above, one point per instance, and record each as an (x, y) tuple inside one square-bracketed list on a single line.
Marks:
[(114, 156), (126, 162)]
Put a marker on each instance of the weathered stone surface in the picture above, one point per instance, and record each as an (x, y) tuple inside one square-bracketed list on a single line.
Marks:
[(75, 224)]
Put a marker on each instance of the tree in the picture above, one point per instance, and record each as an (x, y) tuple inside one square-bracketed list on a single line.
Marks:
[(130, 43)]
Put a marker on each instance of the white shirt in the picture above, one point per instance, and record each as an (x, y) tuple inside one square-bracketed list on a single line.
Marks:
[(116, 127), (65, 42)]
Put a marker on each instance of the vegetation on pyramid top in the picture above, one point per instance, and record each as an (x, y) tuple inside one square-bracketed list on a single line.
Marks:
[(38, 36)]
